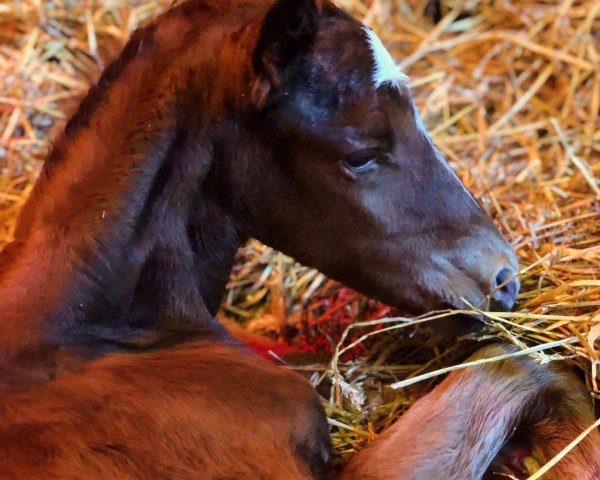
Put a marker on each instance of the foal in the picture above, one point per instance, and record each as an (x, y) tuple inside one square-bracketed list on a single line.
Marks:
[(285, 121)]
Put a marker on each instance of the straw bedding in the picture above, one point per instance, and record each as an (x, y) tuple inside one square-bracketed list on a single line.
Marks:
[(510, 91)]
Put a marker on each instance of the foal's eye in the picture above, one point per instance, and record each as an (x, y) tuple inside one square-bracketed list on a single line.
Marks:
[(361, 161)]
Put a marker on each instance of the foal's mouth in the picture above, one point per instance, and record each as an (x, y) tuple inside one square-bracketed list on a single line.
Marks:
[(450, 323), (451, 315)]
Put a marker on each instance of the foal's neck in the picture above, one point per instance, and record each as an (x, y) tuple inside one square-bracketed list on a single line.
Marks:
[(121, 246)]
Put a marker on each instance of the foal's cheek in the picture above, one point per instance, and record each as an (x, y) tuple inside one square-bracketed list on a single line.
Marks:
[(380, 199), (378, 212)]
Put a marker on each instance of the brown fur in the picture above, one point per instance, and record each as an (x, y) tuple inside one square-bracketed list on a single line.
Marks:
[(200, 411), (207, 411), (221, 120)]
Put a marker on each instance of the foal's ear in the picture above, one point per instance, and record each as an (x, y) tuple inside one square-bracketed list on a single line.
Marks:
[(287, 33)]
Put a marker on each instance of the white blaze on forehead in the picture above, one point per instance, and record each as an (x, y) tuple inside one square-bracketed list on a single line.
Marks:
[(386, 71)]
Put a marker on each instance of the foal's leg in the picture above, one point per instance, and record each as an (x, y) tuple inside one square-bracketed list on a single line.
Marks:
[(456, 431)]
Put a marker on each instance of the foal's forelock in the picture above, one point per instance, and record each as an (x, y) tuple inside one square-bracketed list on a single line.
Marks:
[(386, 71)]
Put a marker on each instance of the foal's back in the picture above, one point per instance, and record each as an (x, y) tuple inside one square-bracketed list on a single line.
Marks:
[(202, 411)]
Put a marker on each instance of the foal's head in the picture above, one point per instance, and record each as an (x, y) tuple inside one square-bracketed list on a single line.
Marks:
[(351, 182)]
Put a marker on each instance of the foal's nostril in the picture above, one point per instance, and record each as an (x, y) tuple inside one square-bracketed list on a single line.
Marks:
[(506, 289), (503, 277)]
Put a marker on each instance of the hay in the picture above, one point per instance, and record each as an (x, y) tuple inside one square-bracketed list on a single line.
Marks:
[(511, 94)]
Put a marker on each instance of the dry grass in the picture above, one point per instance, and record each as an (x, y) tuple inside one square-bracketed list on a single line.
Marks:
[(511, 93)]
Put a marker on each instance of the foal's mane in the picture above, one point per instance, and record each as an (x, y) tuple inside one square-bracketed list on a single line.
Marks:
[(196, 13), (86, 225)]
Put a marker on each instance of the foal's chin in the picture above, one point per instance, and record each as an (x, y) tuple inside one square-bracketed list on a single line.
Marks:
[(458, 325), (458, 314), (454, 325)]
